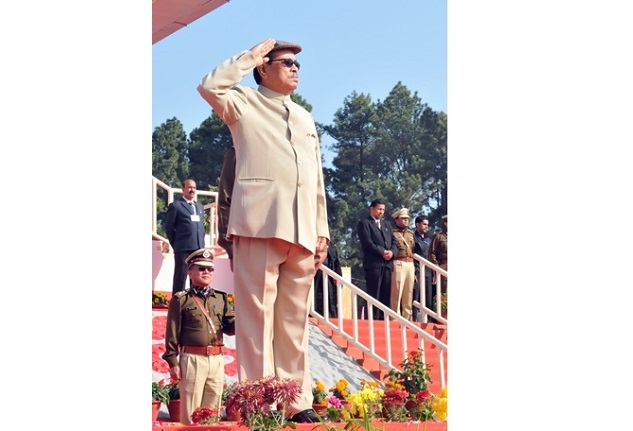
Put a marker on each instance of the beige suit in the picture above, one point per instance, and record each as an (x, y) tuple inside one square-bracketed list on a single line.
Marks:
[(278, 210)]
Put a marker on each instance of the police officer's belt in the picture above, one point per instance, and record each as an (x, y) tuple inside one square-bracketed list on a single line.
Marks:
[(203, 350), (404, 259)]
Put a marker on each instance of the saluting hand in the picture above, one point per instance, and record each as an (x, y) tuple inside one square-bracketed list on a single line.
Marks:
[(260, 51)]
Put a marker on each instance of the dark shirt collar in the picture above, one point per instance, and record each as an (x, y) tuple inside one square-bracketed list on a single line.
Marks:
[(418, 235), (202, 291)]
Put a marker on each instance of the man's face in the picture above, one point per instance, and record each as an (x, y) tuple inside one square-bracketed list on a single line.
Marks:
[(402, 221), (200, 275), (377, 211), (189, 189), (422, 227), (277, 75)]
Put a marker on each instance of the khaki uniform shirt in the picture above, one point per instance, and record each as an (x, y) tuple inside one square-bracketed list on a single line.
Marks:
[(405, 241), (438, 251), (188, 326)]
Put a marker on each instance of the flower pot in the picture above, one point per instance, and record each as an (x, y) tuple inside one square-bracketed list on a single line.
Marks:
[(174, 410), (155, 409), (320, 409)]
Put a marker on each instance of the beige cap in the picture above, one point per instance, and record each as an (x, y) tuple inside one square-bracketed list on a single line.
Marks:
[(202, 257), (401, 213)]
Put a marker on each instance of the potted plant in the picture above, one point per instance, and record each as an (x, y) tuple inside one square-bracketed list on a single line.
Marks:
[(422, 409), (205, 416), (335, 411), (413, 374), (341, 391), (393, 403), (255, 399), (319, 402), (159, 395), (173, 401), (366, 403)]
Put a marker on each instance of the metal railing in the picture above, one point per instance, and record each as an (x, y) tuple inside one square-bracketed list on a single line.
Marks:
[(390, 318)]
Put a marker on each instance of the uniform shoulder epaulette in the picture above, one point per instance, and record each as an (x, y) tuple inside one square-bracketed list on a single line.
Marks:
[(181, 293)]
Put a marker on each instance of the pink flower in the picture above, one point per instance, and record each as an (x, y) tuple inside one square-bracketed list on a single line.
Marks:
[(334, 401)]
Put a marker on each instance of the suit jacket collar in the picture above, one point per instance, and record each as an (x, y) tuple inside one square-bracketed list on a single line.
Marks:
[(273, 94)]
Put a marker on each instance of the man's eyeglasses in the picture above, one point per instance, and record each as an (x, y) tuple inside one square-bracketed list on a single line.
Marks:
[(287, 62), (205, 268)]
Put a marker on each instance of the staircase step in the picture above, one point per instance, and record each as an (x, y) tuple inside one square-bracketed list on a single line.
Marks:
[(380, 345)]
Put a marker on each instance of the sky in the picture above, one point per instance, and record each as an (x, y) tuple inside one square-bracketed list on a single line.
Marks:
[(351, 45)]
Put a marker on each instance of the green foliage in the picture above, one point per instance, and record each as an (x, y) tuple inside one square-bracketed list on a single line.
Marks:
[(169, 153), (412, 374), (160, 392), (208, 145)]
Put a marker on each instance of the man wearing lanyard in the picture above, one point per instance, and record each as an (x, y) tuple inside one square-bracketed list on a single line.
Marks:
[(185, 230)]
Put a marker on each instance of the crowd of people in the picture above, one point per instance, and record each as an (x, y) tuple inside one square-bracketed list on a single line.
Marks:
[(272, 222)]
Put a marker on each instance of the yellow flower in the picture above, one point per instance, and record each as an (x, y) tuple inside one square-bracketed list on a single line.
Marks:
[(340, 390), (444, 392), (366, 401)]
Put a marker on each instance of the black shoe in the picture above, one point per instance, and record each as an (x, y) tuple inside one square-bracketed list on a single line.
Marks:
[(305, 417)]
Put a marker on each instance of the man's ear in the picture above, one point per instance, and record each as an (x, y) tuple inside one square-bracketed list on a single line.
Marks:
[(262, 70)]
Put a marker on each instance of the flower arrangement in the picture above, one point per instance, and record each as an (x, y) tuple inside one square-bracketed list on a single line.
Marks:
[(395, 395), (335, 411), (413, 375), (159, 299), (366, 402), (173, 393), (253, 399), (205, 416), (340, 390), (319, 393), (159, 392), (393, 402), (423, 409)]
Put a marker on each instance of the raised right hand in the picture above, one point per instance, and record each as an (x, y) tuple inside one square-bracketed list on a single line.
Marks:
[(260, 51)]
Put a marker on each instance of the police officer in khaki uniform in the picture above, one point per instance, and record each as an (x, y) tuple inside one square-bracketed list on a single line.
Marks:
[(197, 320), (403, 275)]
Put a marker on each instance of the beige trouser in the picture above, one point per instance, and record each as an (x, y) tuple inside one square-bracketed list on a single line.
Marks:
[(201, 384), (272, 281), (402, 281)]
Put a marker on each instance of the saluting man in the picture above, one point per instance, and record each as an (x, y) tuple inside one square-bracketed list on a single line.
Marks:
[(197, 320)]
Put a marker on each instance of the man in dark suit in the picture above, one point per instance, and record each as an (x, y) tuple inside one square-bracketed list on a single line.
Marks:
[(379, 246), (422, 244), (185, 230), (332, 262)]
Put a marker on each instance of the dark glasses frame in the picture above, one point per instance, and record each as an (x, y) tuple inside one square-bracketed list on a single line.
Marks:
[(205, 268), (287, 62)]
